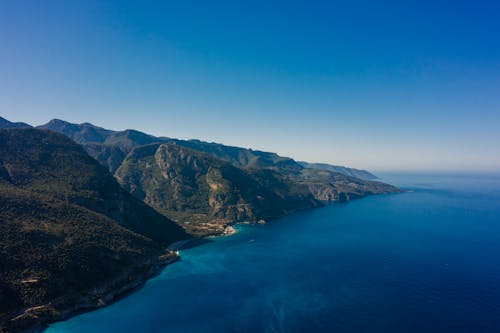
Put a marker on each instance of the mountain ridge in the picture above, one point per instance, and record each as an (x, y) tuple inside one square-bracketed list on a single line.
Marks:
[(358, 173), (4, 123), (243, 157)]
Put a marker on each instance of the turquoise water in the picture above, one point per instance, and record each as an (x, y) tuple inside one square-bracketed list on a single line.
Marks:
[(421, 261)]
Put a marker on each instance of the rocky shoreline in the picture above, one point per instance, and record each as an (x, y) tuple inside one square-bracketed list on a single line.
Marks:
[(37, 318)]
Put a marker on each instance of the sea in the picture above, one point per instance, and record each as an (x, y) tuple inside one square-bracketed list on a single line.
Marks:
[(425, 260)]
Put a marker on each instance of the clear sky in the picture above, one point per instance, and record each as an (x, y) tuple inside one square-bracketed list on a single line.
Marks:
[(382, 85)]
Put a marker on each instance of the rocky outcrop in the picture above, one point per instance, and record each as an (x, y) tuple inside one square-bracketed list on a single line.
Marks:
[(329, 187), (201, 192)]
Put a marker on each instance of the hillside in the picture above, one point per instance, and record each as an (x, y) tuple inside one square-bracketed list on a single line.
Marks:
[(203, 193), (328, 187), (49, 163), (70, 237)]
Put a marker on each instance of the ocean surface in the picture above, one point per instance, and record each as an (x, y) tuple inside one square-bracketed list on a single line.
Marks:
[(427, 260)]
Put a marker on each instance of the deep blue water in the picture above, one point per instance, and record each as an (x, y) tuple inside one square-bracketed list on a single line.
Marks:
[(421, 261)]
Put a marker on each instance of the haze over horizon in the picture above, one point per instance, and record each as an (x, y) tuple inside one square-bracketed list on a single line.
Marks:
[(412, 86)]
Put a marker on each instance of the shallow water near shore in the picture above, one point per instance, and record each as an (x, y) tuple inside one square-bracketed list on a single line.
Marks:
[(426, 260)]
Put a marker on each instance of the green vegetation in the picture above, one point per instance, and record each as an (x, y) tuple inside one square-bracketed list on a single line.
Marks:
[(49, 163), (202, 192), (69, 234)]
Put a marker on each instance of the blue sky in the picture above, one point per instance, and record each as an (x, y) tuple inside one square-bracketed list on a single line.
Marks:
[(383, 85)]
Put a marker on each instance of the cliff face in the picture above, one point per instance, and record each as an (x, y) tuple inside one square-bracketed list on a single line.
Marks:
[(328, 187), (202, 192), (69, 233)]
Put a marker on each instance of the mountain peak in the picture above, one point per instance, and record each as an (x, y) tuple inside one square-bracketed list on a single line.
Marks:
[(4, 123), (80, 133)]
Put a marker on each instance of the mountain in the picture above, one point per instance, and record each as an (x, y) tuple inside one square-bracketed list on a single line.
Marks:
[(241, 157), (97, 141), (80, 133), (107, 146), (4, 123), (329, 187), (115, 148), (362, 174), (110, 157), (132, 157), (204, 193), (110, 148), (71, 238), (51, 164)]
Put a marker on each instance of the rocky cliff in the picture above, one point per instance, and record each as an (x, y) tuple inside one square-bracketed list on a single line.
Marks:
[(203, 193)]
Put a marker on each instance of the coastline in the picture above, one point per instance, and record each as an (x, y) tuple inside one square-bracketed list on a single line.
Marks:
[(37, 318), (309, 286)]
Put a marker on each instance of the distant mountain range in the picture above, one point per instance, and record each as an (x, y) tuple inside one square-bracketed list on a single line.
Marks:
[(101, 140), (4, 123), (362, 174), (86, 212), (105, 144)]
